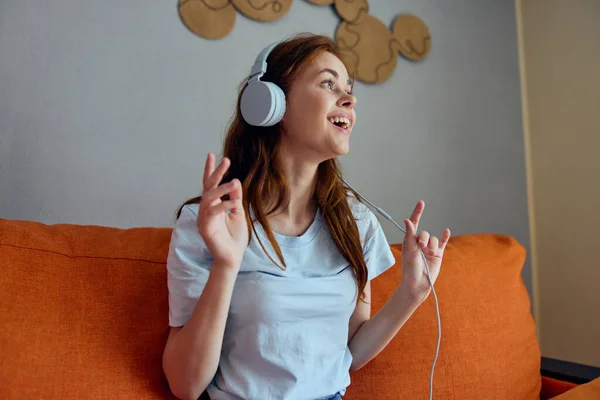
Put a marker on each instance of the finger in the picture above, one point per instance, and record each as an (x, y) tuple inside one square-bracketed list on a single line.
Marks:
[(236, 191), (215, 194), (423, 239), (217, 175), (221, 208), (417, 212), (445, 238), (209, 167), (409, 235), (235, 195), (410, 228), (215, 178), (433, 244)]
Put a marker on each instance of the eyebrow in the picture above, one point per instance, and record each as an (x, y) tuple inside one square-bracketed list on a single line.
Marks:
[(335, 74)]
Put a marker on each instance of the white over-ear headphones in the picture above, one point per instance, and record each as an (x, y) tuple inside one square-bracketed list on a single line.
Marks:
[(263, 103)]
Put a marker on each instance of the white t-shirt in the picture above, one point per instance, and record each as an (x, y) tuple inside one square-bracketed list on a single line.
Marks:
[(286, 335)]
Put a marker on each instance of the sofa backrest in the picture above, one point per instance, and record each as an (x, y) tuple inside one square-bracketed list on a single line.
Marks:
[(84, 315), (85, 311)]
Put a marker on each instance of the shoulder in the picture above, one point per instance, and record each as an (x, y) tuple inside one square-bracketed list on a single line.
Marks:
[(366, 220), (185, 238), (186, 223), (189, 211), (361, 212), (378, 254)]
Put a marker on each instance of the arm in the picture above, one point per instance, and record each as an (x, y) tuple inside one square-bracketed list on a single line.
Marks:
[(192, 352), (369, 336), (375, 333)]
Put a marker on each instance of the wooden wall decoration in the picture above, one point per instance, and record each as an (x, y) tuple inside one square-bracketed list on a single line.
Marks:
[(210, 19), (368, 43), (263, 10)]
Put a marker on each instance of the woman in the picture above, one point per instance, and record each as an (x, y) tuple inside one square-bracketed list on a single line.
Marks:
[(269, 270)]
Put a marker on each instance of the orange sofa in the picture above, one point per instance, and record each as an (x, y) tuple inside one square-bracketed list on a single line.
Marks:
[(84, 315)]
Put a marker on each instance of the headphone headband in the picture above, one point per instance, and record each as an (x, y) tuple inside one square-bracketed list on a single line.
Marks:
[(260, 64)]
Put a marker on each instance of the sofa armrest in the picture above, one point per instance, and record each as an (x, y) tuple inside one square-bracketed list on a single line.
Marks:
[(552, 387), (585, 391)]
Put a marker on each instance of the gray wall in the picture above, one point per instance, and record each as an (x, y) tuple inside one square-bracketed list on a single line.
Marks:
[(108, 108)]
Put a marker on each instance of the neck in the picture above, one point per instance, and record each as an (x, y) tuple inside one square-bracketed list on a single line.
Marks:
[(302, 182)]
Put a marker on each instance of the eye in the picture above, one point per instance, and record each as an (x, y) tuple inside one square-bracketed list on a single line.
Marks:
[(328, 84)]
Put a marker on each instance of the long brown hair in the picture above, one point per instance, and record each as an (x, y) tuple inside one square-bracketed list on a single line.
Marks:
[(253, 150)]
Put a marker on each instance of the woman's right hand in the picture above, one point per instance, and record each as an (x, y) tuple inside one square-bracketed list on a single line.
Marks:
[(225, 234)]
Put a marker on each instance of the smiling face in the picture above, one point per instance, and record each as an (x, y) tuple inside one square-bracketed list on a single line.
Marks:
[(320, 110)]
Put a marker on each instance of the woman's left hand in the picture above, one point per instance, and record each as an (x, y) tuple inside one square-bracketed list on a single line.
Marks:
[(414, 271)]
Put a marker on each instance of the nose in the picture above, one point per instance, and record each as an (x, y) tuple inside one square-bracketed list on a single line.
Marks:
[(347, 101)]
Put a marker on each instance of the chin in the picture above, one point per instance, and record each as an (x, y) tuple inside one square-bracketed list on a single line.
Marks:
[(344, 151), (341, 148), (340, 151)]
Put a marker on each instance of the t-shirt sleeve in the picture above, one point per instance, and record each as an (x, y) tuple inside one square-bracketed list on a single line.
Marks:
[(188, 266), (377, 251), (378, 254)]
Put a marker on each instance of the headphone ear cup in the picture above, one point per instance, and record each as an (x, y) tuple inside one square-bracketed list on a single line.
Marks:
[(280, 105), (262, 103)]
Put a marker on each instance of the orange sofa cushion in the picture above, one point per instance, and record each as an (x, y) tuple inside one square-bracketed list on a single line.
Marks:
[(84, 315), (488, 349)]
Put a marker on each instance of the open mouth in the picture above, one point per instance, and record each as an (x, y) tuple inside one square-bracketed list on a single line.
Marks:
[(341, 122)]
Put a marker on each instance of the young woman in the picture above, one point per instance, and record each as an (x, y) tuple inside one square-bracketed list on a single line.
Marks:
[(269, 270)]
